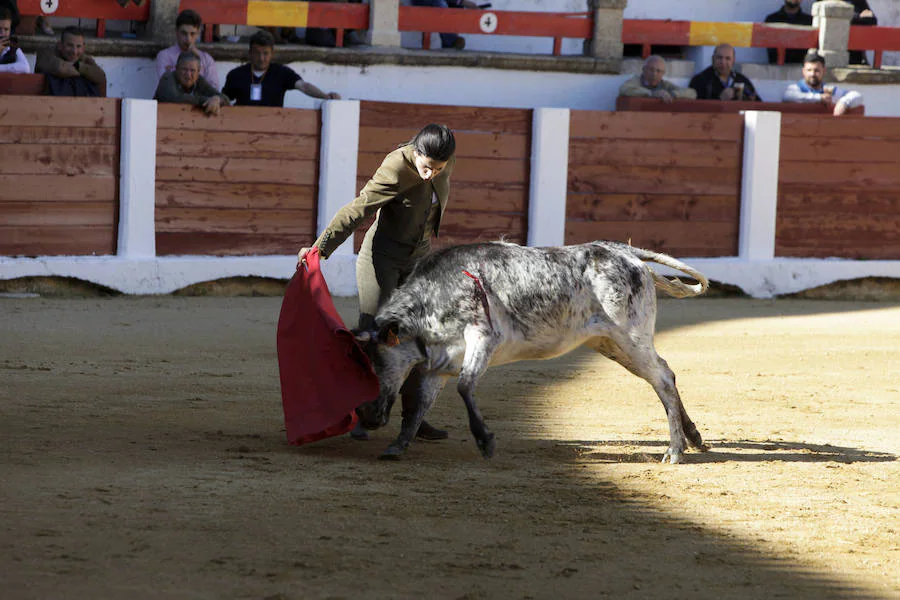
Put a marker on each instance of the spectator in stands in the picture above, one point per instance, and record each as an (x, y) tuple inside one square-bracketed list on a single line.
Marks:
[(721, 81), (792, 14), (13, 9), (812, 88), (862, 15), (264, 83), (187, 32), (186, 85), (448, 40), (327, 38), (12, 59), (69, 70), (124, 3), (650, 83)]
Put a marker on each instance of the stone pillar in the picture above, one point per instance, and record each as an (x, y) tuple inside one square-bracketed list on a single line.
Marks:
[(832, 17), (606, 42), (384, 17), (161, 27)]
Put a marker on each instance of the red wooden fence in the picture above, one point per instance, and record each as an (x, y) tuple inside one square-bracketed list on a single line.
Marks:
[(839, 188), (59, 170), (101, 10), (243, 183), (665, 182)]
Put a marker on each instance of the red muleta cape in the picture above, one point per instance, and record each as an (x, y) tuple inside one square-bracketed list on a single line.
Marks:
[(325, 375)]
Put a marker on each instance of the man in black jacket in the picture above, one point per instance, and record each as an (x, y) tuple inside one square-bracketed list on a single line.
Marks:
[(792, 14), (721, 81)]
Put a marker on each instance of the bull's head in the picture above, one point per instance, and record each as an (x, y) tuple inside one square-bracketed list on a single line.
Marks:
[(393, 360)]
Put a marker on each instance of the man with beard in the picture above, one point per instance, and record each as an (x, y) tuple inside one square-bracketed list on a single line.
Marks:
[(792, 14), (813, 89)]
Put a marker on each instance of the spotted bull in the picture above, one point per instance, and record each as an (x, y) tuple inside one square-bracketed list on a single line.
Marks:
[(465, 308)]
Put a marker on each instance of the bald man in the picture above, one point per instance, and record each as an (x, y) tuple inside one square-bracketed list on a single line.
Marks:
[(720, 81), (650, 83)]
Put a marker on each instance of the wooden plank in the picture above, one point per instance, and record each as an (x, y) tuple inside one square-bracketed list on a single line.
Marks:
[(236, 170), (257, 196), (480, 198), (493, 170), (74, 214), (458, 118), (468, 144), (804, 201), (231, 244), (177, 142), (224, 220), (652, 207), (675, 238), (832, 149), (840, 176), (657, 153), (841, 236), (809, 126), (99, 136), (57, 241), (612, 179), (59, 112), (49, 159), (656, 126), (463, 224), (253, 119), (73, 188)]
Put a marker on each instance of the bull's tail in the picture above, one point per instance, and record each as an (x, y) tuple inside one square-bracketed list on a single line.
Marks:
[(674, 287)]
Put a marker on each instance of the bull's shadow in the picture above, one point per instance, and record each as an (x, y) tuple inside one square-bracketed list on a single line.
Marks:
[(723, 451)]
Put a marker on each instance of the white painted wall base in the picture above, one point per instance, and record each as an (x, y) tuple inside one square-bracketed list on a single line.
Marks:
[(759, 279)]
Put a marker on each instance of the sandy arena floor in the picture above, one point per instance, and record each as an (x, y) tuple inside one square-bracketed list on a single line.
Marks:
[(143, 456)]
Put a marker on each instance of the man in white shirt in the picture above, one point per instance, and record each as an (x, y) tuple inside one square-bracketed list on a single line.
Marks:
[(812, 88), (12, 59)]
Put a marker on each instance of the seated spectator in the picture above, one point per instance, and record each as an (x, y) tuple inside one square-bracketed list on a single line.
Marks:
[(650, 83), (327, 38), (12, 59), (862, 15), (187, 86), (792, 14), (448, 40), (69, 71), (14, 17), (721, 81), (264, 83), (187, 32), (812, 88)]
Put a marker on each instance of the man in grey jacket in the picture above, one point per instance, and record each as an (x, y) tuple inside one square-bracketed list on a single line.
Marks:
[(812, 88), (650, 83)]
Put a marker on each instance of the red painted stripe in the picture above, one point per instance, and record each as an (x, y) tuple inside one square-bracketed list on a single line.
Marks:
[(345, 16), (89, 9), (767, 36), (220, 12), (653, 31), (874, 38), (432, 20)]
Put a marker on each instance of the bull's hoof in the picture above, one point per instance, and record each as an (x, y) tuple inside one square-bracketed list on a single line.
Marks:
[(392, 453), (486, 446), (672, 456)]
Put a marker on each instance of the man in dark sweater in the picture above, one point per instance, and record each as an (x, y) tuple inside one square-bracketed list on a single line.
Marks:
[(264, 83), (721, 81), (792, 14)]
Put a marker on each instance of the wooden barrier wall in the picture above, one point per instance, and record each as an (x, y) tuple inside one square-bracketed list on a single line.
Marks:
[(242, 183), (490, 183), (839, 188), (667, 182), (59, 171)]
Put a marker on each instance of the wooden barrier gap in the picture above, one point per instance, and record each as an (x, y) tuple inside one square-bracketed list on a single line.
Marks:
[(879, 39), (648, 32), (101, 10), (339, 16)]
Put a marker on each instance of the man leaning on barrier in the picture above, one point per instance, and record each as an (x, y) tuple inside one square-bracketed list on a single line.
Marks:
[(70, 71), (650, 83), (812, 88), (720, 81), (187, 32), (185, 85)]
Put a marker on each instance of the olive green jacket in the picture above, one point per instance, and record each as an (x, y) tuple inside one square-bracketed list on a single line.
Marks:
[(403, 202)]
